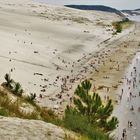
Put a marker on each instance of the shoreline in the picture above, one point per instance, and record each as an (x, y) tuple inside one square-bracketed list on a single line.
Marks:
[(127, 100), (97, 81)]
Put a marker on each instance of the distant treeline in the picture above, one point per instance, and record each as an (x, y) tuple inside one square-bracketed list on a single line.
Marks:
[(132, 12), (96, 7)]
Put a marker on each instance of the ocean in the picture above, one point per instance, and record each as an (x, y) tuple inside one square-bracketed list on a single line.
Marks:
[(134, 18)]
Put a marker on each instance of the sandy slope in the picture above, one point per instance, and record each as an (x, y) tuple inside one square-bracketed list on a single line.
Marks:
[(19, 129)]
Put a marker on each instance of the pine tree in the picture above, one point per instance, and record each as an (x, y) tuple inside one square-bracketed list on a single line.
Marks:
[(9, 81), (91, 106), (18, 89)]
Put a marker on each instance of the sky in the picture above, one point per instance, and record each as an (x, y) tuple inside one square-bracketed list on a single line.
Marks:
[(118, 4)]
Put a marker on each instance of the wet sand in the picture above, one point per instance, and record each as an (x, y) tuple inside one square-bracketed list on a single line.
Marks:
[(128, 99)]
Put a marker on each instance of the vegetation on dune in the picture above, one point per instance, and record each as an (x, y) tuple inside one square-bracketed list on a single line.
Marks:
[(30, 99), (17, 90), (88, 116), (120, 25), (9, 81), (12, 108), (78, 123), (12, 86)]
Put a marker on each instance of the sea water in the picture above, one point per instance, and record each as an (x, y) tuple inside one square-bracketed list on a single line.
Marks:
[(134, 18)]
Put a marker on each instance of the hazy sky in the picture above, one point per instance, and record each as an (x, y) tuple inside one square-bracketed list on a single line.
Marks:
[(119, 4)]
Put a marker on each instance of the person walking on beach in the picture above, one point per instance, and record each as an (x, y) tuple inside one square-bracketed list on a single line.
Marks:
[(132, 108), (120, 97), (130, 94), (128, 124), (122, 90), (107, 89), (124, 135)]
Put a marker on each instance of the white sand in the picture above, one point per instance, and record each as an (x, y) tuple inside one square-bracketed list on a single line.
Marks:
[(39, 38)]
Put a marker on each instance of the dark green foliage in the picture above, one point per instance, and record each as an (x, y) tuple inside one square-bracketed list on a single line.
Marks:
[(4, 112), (32, 97), (119, 25), (12, 86), (89, 114), (111, 125), (13, 109), (18, 89), (79, 123), (75, 120), (92, 107), (9, 81)]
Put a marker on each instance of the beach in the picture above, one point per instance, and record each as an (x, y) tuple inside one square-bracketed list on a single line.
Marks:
[(46, 48), (51, 49), (128, 106)]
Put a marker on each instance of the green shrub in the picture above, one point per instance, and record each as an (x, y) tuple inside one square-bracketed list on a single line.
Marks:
[(120, 25), (9, 81), (75, 121), (79, 123), (31, 98), (88, 115), (18, 89), (4, 112), (91, 106), (118, 28)]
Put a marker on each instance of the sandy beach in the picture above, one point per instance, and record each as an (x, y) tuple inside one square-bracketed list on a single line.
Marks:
[(50, 49), (46, 46)]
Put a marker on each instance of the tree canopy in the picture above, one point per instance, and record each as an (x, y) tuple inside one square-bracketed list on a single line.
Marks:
[(90, 105)]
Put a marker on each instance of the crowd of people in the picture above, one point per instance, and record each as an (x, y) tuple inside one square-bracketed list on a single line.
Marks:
[(128, 95)]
